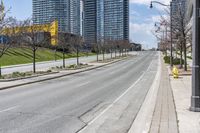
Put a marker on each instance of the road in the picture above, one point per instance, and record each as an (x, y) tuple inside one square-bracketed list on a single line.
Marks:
[(104, 100), (43, 66)]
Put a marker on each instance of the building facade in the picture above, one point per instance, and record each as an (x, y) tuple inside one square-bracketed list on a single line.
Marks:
[(90, 21), (106, 19), (67, 12)]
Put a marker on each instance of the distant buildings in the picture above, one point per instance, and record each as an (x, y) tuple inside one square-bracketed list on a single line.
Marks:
[(136, 47), (67, 12), (90, 21), (106, 20), (176, 6), (95, 20)]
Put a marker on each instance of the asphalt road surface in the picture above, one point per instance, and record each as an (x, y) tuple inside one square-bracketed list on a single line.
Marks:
[(104, 100)]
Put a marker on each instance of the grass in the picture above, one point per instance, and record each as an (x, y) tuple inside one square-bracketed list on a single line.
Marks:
[(16, 56)]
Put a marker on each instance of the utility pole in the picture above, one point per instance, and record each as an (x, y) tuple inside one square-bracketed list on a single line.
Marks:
[(195, 99), (171, 47)]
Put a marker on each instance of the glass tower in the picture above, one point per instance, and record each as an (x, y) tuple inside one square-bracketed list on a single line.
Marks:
[(90, 21), (106, 19), (67, 12)]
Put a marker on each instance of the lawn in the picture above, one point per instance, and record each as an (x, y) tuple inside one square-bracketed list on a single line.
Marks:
[(15, 56)]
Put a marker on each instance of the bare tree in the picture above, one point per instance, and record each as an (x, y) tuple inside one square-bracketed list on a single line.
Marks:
[(96, 47), (77, 43), (7, 32), (180, 31), (64, 44), (33, 38)]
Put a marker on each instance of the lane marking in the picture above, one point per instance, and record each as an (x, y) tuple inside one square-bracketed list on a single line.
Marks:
[(83, 84), (8, 109), (111, 105)]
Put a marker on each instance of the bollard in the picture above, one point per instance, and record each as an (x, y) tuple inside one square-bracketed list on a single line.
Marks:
[(175, 72)]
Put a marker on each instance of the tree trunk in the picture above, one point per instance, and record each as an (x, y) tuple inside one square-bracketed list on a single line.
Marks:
[(185, 55), (181, 54), (115, 53), (97, 56), (103, 55), (55, 55), (77, 55), (0, 71), (34, 56), (63, 58), (111, 54)]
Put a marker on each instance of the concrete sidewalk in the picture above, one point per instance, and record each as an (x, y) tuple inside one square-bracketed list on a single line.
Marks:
[(164, 118), (189, 122)]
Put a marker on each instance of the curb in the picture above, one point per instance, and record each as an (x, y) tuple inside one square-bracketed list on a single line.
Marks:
[(143, 119), (60, 76), (28, 77)]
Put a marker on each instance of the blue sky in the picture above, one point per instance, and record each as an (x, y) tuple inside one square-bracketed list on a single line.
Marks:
[(142, 18)]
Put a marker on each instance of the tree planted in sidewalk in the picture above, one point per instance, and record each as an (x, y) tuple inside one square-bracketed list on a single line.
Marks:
[(64, 44), (76, 43), (30, 37)]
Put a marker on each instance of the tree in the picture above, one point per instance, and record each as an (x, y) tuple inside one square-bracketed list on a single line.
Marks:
[(7, 32), (180, 30), (77, 43), (33, 38), (64, 44), (96, 47)]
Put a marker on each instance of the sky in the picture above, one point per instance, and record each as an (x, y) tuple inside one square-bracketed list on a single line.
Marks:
[(142, 18)]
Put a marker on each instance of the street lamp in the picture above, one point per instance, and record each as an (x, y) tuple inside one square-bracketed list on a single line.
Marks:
[(171, 47), (195, 99)]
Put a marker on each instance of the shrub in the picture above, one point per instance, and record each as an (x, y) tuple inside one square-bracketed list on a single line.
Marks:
[(72, 66), (176, 61), (49, 71)]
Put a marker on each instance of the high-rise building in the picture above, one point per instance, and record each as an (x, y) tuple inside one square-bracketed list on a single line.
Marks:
[(90, 25), (74, 16), (67, 12), (178, 11), (106, 19)]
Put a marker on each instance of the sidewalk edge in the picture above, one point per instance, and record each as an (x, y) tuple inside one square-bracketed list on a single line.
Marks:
[(172, 91), (143, 119)]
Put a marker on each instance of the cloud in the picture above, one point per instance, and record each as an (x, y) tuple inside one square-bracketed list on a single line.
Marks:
[(142, 32)]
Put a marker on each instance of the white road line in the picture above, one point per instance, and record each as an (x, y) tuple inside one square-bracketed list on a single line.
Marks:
[(8, 109), (83, 84), (111, 105)]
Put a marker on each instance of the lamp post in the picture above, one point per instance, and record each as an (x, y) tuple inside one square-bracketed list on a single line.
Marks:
[(195, 99), (171, 46)]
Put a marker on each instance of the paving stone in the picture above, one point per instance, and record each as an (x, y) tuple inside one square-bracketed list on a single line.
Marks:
[(164, 118)]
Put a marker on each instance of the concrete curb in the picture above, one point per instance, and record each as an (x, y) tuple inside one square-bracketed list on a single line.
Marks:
[(143, 119), (28, 77), (60, 76)]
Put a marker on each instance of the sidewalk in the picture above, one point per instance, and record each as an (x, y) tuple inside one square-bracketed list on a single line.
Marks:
[(189, 122), (164, 117)]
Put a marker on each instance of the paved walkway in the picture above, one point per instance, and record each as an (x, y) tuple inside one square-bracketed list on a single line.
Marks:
[(189, 122), (164, 118)]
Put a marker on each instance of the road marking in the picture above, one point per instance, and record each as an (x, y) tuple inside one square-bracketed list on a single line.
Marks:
[(8, 109), (83, 84), (111, 105)]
